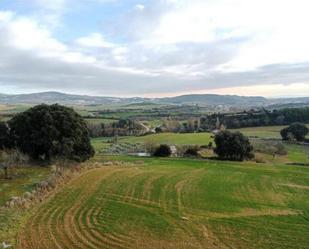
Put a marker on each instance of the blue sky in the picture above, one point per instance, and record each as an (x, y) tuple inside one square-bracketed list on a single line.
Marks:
[(76, 19), (155, 47)]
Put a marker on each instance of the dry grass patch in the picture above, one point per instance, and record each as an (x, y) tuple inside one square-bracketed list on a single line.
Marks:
[(296, 186)]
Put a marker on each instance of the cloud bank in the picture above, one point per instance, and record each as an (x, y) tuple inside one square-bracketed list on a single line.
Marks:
[(154, 48)]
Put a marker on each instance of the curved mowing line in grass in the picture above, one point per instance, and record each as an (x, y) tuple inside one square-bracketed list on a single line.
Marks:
[(85, 215), (173, 204)]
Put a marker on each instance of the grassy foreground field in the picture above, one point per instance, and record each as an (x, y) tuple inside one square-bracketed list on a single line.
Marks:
[(176, 203)]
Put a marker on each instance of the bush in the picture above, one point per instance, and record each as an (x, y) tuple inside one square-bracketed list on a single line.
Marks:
[(158, 130), (269, 147), (296, 131), (210, 145), (233, 146), (51, 131), (259, 159), (163, 151), (192, 151), (280, 149)]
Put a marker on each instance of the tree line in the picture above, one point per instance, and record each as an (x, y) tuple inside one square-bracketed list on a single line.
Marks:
[(254, 118), (216, 121), (123, 127)]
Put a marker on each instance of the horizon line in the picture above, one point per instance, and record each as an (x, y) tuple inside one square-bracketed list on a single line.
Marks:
[(158, 97)]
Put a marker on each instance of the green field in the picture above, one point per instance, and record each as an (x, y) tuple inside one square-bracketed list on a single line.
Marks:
[(262, 132), (298, 153), (166, 203), (24, 179), (203, 138), (100, 143), (160, 138), (176, 203), (100, 120), (295, 153), (12, 109), (172, 138)]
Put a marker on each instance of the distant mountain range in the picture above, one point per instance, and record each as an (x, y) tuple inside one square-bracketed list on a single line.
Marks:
[(193, 99)]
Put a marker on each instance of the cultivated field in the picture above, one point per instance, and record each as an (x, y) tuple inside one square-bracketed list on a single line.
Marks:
[(262, 132), (100, 120), (172, 138), (175, 203), (160, 138), (11, 109)]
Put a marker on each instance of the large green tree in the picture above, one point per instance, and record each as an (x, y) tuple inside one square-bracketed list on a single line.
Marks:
[(233, 146), (296, 131), (51, 131)]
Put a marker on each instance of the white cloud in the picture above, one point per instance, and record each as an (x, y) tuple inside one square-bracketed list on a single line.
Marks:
[(276, 28), (5, 16), (27, 34), (168, 46), (50, 12), (94, 40), (139, 7)]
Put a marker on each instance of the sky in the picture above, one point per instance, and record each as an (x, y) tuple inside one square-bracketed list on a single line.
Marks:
[(155, 48)]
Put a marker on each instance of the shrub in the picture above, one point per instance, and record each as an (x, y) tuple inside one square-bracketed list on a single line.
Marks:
[(269, 147), (210, 145), (233, 146), (51, 131), (280, 149), (296, 131), (158, 130), (162, 151), (259, 159), (192, 151)]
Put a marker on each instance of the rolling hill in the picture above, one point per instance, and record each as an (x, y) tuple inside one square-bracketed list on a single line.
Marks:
[(193, 99)]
